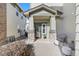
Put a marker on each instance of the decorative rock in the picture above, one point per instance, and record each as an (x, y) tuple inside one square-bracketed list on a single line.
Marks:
[(17, 48), (66, 50)]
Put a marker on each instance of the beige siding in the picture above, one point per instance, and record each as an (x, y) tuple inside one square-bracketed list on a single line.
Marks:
[(59, 25), (69, 20), (11, 21)]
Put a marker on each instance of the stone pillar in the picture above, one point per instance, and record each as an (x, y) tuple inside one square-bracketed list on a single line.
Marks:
[(31, 29), (53, 29)]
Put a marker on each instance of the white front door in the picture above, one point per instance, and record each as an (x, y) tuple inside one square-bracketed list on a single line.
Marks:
[(41, 30), (44, 31)]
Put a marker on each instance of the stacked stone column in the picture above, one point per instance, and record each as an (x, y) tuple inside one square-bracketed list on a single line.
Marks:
[(31, 29), (52, 29)]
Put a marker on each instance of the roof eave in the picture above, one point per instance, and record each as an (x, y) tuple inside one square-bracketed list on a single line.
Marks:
[(57, 12)]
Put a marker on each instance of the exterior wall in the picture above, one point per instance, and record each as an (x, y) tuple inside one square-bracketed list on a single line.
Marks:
[(2, 22), (59, 26), (22, 23), (48, 4), (69, 20), (42, 13), (27, 24), (14, 21)]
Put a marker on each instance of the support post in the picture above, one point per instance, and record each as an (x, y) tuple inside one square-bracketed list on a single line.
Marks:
[(31, 29), (53, 35)]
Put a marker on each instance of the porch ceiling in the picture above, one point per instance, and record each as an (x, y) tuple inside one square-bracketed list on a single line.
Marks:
[(41, 18)]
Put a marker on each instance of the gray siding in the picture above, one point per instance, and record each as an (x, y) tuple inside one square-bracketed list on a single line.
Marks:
[(69, 20)]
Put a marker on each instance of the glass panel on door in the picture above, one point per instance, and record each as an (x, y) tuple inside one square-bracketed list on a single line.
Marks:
[(44, 34)]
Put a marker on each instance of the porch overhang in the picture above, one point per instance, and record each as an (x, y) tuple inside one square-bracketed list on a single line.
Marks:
[(42, 7)]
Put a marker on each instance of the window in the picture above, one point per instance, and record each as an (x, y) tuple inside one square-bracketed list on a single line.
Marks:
[(77, 27), (77, 36), (17, 13), (77, 19), (43, 28), (77, 11), (21, 17)]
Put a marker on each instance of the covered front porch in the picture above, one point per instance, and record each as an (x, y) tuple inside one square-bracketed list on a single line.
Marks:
[(41, 27), (42, 23)]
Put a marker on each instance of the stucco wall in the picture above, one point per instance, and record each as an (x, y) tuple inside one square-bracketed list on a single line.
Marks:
[(22, 23), (69, 20), (59, 26), (11, 21)]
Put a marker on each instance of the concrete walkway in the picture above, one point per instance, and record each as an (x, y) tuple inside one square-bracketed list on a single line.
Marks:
[(46, 48)]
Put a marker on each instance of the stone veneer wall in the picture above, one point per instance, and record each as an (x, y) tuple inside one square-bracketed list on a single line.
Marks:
[(2, 22), (17, 48)]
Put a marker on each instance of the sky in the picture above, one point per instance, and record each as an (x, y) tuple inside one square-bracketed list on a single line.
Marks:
[(24, 6)]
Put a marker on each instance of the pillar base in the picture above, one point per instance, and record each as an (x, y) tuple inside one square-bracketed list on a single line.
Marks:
[(31, 37), (53, 34)]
